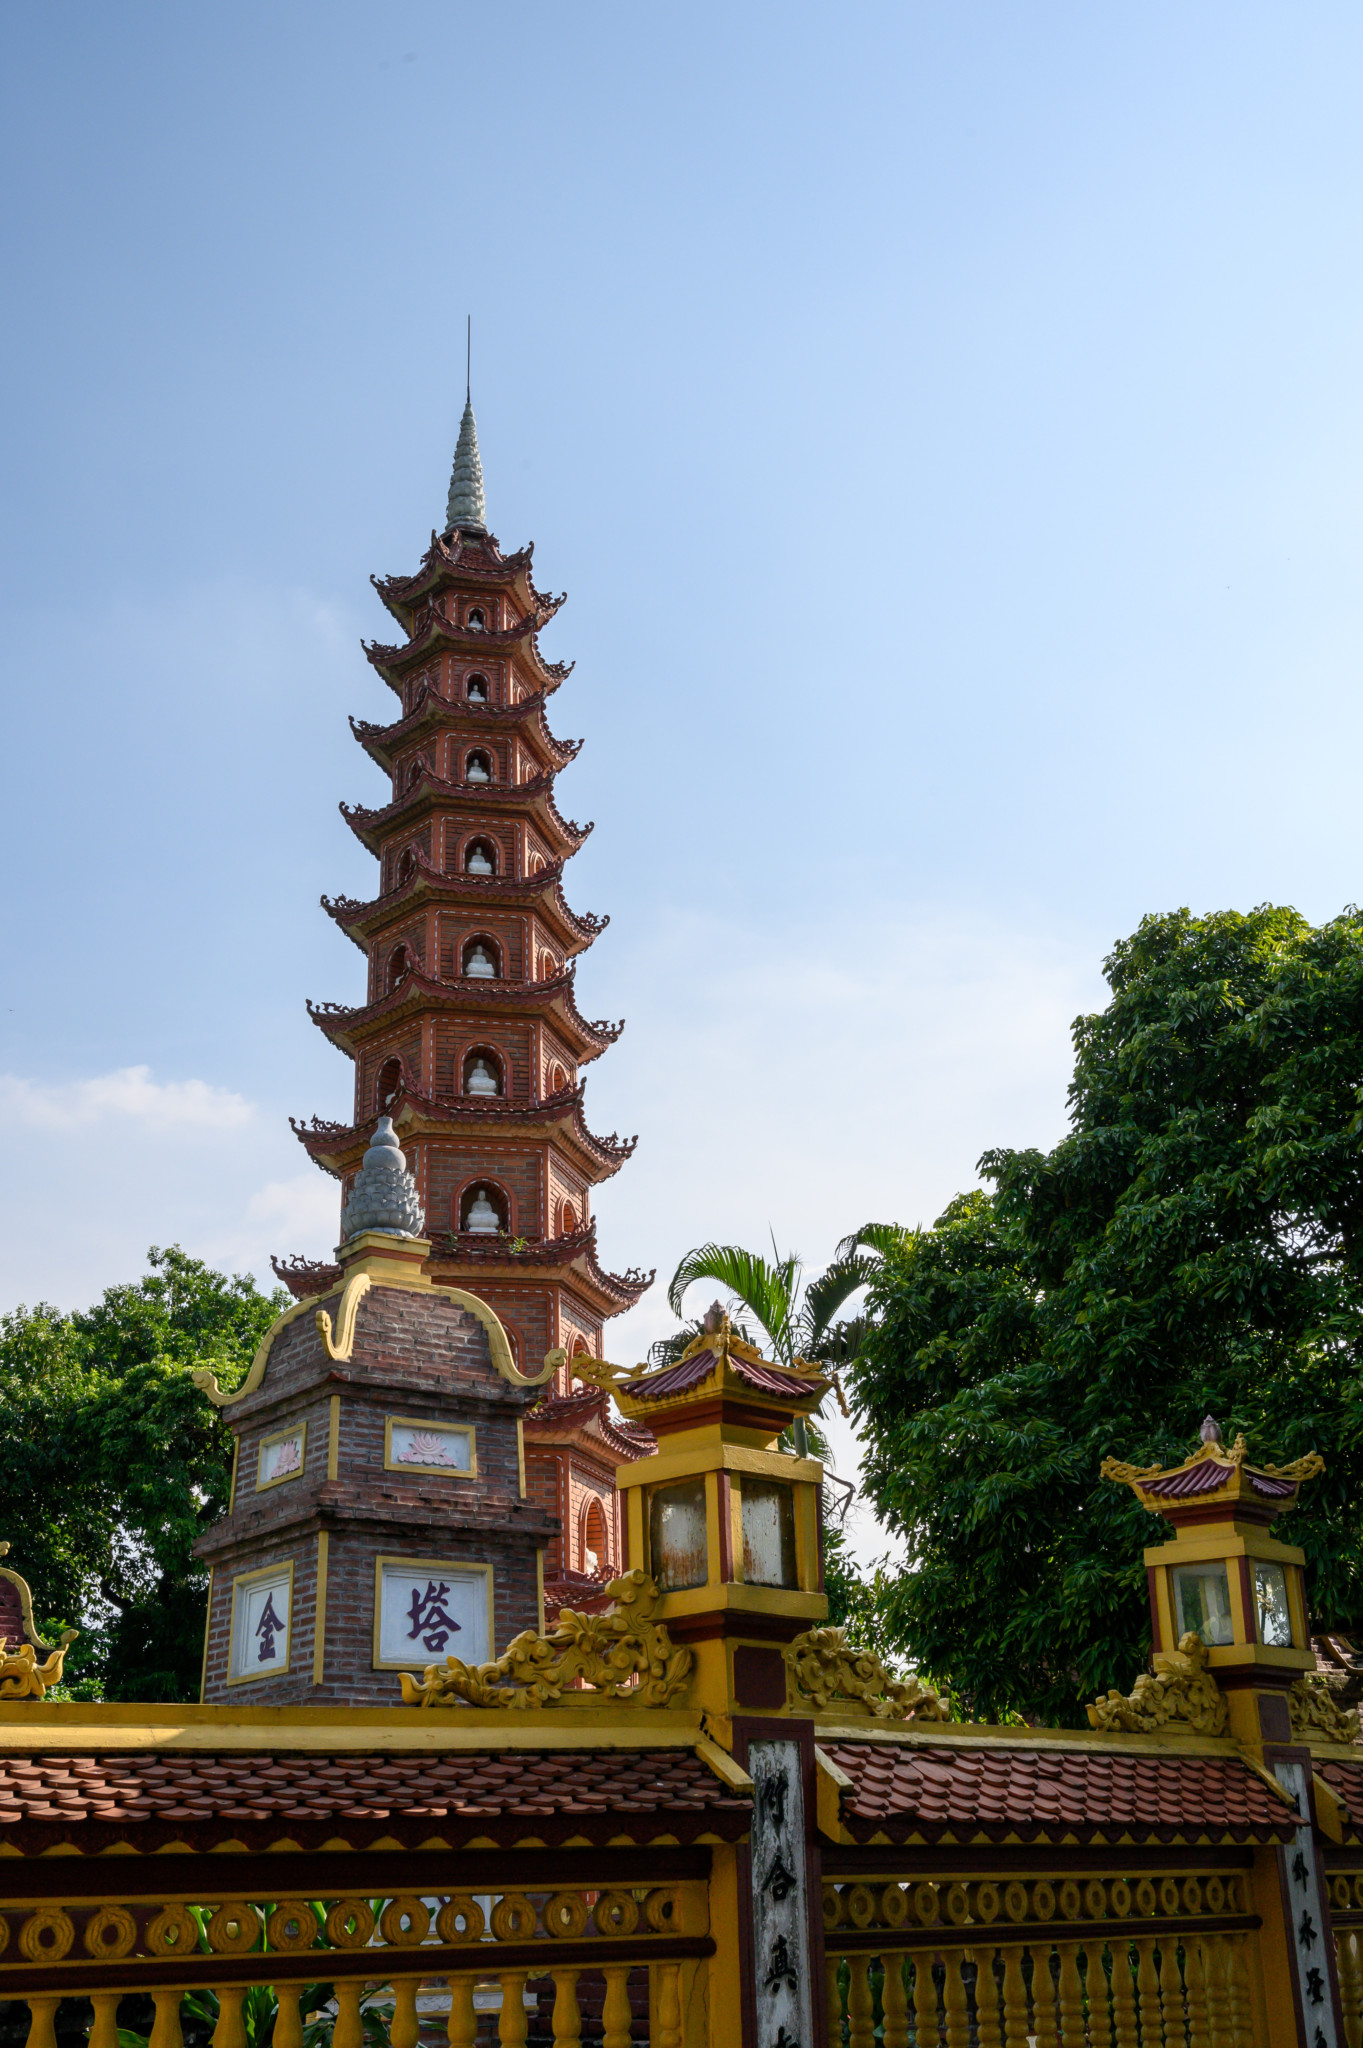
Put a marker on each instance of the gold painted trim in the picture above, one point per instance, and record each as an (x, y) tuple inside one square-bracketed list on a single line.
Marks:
[(334, 1439), (277, 1670), (281, 1436), (78, 1725), (426, 1564), (319, 1608), (232, 1489), (539, 1590), (520, 1453), (339, 1342), (390, 1464), (206, 1380)]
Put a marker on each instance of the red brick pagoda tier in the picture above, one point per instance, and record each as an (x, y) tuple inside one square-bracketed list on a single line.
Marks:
[(470, 1037)]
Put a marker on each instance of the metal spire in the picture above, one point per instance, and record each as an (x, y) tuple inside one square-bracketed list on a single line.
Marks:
[(467, 507)]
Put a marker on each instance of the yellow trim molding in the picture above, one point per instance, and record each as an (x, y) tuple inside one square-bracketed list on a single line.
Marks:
[(465, 1429)]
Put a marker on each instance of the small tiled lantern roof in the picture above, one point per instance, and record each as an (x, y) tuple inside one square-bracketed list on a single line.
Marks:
[(717, 1367), (1215, 1475)]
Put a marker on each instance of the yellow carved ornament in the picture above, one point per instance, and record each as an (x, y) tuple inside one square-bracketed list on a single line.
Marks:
[(1180, 1688), (623, 1654), (1316, 1711), (824, 1668)]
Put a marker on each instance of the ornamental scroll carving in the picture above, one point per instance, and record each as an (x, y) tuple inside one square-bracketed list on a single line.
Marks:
[(1180, 1688), (623, 1654), (1315, 1711), (22, 1677), (825, 1669)]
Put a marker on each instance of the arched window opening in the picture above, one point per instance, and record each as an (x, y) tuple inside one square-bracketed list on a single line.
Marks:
[(390, 1081), (558, 1080), (480, 858), (476, 690), (483, 1210), (399, 964), (480, 960), (478, 768), (482, 1073), (414, 772), (477, 619), (406, 867), (567, 1220), (595, 1542), (548, 967)]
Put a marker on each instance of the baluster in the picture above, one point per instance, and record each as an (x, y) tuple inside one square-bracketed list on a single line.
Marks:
[(1070, 1995), (405, 2028), (1123, 1993), (669, 2005), (926, 2032), (1173, 2016), (986, 1999), (615, 2013), (567, 2011), (955, 2009), (1218, 2002), (463, 2020), (1147, 1993), (165, 2028), (511, 2021), (104, 2031), (860, 2005), (230, 2032), (894, 2002), (832, 1979), (1015, 2028), (1043, 1997), (1195, 1985), (43, 2032), (348, 2031), (1346, 1956), (1237, 1987), (1096, 1998)]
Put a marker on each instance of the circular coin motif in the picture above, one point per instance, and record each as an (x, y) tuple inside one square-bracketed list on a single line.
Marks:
[(234, 1929), (513, 1919), (350, 1924), (172, 1933), (617, 1913), (291, 1927), (565, 1916), (460, 1919), (46, 1935), (404, 1922), (110, 1933)]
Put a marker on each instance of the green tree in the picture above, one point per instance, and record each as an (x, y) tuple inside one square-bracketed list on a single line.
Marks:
[(112, 1464), (1194, 1245)]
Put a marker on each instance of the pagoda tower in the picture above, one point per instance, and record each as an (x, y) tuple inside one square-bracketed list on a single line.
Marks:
[(470, 1037)]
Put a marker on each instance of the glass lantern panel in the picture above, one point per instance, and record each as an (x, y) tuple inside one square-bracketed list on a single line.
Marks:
[(1202, 1597), (768, 1533), (676, 1535), (1270, 1598)]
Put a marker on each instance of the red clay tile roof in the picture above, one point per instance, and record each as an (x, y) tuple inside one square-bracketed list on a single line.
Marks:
[(695, 1370), (163, 1796), (1346, 1782), (1045, 1794)]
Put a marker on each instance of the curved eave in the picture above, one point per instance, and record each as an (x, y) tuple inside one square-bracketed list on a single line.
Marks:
[(349, 1027), (442, 636), (583, 1420), (380, 742), (340, 1147), (481, 565), (551, 1259), (431, 792), (361, 921)]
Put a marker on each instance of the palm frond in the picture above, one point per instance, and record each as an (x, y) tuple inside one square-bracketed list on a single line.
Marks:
[(767, 1291), (883, 1238), (825, 1295)]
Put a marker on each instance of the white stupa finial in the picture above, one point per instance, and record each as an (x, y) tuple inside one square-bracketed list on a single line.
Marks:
[(383, 1195), (467, 507)]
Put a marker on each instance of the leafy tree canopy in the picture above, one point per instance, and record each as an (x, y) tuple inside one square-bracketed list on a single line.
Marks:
[(1193, 1246), (112, 1464)]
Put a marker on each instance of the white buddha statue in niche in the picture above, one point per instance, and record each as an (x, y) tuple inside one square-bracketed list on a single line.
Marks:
[(480, 963), (482, 1217), (478, 862), (480, 1078)]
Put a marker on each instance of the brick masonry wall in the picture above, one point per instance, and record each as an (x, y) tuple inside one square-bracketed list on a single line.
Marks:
[(417, 1357)]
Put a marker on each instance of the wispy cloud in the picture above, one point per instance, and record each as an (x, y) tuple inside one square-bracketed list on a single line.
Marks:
[(127, 1093)]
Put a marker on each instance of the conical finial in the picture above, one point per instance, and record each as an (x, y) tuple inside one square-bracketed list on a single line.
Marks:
[(466, 506), (1211, 1430), (383, 1196)]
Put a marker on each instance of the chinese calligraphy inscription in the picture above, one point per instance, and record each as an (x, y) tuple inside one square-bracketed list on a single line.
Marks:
[(1306, 1917), (779, 1897)]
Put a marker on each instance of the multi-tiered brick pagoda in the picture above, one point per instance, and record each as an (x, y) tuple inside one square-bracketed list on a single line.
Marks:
[(470, 1037)]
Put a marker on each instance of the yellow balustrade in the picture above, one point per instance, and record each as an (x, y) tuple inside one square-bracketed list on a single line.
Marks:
[(633, 1944)]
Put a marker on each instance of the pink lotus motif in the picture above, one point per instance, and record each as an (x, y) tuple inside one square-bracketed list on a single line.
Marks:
[(286, 1457), (427, 1448)]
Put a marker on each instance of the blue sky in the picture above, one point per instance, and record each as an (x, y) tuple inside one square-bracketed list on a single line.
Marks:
[(946, 422)]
